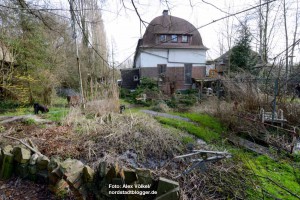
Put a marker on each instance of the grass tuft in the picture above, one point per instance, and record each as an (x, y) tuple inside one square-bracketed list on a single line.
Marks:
[(201, 132), (205, 120)]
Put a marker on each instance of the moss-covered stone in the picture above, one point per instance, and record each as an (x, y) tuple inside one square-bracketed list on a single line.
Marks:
[(33, 159), (32, 169), (172, 194), (7, 149), (167, 189), (112, 173), (22, 170), (72, 172), (7, 165), (71, 166), (21, 155), (53, 178), (144, 176), (42, 162), (130, 176), (102, 170), (61, 188), (88, 174), (53, 164), (42, 177)]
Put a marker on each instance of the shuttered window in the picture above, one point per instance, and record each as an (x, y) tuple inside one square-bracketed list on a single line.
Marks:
[(188, 73)]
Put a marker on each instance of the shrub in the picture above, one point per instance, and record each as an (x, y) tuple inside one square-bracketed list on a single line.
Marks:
[(8, 105), (147, 86)]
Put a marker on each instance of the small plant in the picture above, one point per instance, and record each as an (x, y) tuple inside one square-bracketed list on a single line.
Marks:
[(29, 121), (57, 114), (187, 140), (2, 129)]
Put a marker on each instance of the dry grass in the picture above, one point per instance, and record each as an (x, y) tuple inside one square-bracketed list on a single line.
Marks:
[(291, 111), (102, 107), (138, 133), (110, 136)]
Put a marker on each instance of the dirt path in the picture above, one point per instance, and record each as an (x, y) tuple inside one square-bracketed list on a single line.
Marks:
[(36, 118), (153, 113)]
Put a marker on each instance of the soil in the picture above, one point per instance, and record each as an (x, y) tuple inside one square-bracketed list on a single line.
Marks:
[(51, 140), (18, 189)]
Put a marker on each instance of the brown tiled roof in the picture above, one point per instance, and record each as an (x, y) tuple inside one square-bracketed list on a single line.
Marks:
[(166, 24)]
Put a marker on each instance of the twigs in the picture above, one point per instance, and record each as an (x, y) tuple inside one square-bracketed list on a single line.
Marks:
[(201, 162), (25, 144)]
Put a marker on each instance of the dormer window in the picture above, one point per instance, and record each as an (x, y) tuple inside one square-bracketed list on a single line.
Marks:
[(174, 38), (163, 38), (184, 39)]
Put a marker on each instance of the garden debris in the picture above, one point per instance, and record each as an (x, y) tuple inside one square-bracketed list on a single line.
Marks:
[(238, 141), (200, 162)]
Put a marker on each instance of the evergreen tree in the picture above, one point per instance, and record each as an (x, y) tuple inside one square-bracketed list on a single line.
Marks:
[(242, 57)]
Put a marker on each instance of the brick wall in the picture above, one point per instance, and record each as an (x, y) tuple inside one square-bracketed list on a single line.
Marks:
[(174, 77), (199, 72)]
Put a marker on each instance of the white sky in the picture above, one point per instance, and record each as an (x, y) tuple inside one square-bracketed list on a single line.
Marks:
[(123, 25)]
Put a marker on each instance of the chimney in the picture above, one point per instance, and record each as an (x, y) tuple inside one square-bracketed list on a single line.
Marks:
[(165, 12)]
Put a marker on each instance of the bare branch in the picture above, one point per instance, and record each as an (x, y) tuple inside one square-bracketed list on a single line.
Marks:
[(25, 144)]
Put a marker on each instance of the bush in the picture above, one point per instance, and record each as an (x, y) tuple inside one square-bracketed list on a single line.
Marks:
[(182, 101), (8, 105), (147, 86), (161, 107)]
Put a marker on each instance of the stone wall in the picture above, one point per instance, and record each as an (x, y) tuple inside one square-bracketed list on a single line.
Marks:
[(105, 183)]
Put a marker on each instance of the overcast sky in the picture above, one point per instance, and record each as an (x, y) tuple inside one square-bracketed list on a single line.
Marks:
[(123, 25)]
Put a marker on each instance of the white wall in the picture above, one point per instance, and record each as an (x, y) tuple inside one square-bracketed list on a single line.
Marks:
[(138, 61), (170, 57), (187, 56)]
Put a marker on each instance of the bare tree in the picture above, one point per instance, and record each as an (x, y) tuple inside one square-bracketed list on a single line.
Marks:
[(294, 36)]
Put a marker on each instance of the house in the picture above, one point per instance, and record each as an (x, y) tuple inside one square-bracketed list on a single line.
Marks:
[(222, 62), (171, 52)]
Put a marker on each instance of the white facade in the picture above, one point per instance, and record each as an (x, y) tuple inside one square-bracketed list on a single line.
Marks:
[(170, 57)]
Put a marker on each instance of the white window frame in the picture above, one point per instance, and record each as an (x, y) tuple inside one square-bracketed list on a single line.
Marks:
[(185, 40), (174, 38), (163, 38)]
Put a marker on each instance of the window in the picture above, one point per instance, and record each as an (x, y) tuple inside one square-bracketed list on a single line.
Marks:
[(174, 38), (163, 38), (184, 39), (188, 73), (161, 69)]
